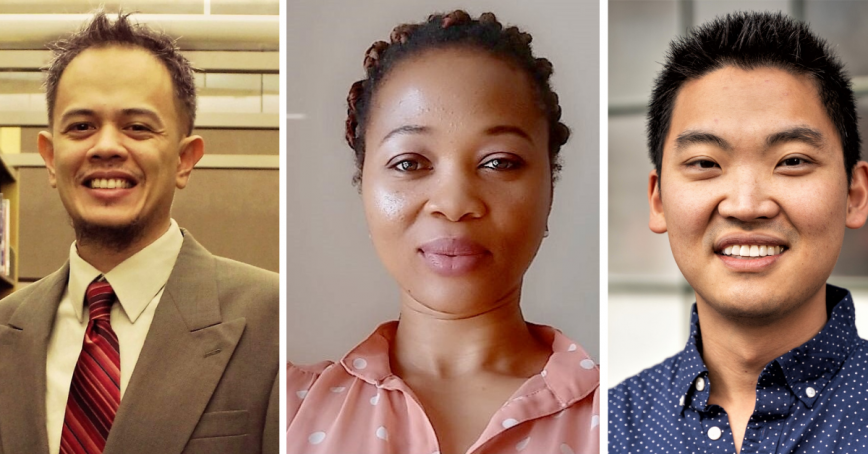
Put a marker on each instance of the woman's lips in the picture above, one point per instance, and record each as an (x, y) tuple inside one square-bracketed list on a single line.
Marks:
[(453, 256)]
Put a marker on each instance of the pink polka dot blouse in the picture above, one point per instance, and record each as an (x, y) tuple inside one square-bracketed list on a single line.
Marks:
[(358, 406)]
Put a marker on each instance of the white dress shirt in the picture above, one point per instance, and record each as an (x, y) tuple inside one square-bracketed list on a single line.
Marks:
[(138, 283)]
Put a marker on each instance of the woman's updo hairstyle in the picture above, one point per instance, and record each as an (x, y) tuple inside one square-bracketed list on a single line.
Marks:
[(455, 29)]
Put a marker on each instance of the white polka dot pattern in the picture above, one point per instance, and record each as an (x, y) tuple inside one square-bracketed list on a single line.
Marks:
[(811, 400), (360, 406)]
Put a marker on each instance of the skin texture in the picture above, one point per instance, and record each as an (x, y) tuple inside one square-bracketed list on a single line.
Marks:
[(724, 179), (123, 124), (457, 148)]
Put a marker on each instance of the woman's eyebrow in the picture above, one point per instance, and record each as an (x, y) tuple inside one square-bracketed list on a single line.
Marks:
[(508, 129), (406, 129)]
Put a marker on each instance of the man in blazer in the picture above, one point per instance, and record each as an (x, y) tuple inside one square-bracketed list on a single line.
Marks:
[(197, 334)]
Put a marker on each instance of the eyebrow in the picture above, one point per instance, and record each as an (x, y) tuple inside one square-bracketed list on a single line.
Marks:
[(506, 129), (492, 131), (802, 134), (126, 112), (698, 138), (407, 129)]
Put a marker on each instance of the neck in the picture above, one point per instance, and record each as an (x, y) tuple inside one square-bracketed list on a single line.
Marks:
[(107, 247), (497, 340), (736, 352)]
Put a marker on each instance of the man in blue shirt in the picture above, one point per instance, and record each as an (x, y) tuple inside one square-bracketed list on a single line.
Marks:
[(752, 130)]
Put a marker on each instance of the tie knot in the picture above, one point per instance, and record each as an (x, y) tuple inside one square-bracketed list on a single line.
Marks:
[(99, 297)]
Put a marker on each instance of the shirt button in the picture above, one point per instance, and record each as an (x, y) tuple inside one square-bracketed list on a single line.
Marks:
[(681, 401), (811, 392), (700, 384), (714, 433)]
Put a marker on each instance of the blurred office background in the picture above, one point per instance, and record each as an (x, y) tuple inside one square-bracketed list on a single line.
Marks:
[(232, 202), (337, 289), (649, 300)]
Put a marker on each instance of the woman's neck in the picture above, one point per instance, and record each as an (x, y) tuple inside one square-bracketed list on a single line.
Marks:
[(496, 340)]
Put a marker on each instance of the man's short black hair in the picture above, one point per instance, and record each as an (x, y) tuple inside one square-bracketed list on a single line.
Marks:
[(750, 40)]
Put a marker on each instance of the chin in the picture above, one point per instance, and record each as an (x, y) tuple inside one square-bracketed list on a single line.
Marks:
[(114, 233), (752, 307), (454, 301)]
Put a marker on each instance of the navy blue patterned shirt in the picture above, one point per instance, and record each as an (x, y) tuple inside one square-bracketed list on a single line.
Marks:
[(813, 399)]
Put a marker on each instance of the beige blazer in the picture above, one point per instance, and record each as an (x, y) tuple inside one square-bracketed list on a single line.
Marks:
[(207, 377)]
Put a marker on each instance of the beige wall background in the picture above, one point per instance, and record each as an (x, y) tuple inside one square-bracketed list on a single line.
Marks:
[(337, 291)]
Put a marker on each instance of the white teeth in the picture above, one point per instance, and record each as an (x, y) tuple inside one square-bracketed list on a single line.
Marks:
[(109, 183), (752, 250)]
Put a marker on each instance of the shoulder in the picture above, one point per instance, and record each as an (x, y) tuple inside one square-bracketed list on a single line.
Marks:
[(645, 388), (300, 380), (49, 286), (857, 360), (631, 402), (233, 276), (236, 283)]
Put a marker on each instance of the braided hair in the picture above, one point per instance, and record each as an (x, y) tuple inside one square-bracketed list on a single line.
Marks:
[(455, 29)]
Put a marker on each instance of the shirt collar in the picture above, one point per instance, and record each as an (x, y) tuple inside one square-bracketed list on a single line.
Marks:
[(812, 364), (369, 361), (135, 281)]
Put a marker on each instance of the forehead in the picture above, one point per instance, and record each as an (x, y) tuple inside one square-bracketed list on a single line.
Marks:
[(456, 88), (115, 74), (744, 107)]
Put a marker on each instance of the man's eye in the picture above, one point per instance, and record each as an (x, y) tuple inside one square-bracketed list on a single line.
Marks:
[(139, 128), (79, 127), (501, 164), (792, 162), (704, 164)]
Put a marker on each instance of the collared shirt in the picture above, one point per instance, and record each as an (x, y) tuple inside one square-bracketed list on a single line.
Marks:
[(138, 284), (360, 406), (813, 399)]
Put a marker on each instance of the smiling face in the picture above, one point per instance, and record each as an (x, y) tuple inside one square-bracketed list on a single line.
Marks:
[(754, 193), (116, 150), (456, 182)]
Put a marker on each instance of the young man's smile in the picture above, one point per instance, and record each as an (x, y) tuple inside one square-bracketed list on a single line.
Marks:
[(753, 191), (117, 148)]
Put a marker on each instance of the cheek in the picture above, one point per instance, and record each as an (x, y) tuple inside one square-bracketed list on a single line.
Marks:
[(389, 205), (522, 212), (386, 209), (687, 210), (817, 209)]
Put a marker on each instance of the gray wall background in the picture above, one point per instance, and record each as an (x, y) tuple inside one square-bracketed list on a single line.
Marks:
[(337, 290), (649, 301)]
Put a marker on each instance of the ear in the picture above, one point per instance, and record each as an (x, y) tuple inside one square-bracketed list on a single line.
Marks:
[(657, 219), (45, 145), (192, 149), (857, 198)]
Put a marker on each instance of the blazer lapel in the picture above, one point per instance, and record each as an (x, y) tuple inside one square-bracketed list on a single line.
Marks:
[(185, 353), (23, 352)]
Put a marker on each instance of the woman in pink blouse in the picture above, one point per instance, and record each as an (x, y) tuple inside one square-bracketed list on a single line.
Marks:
[(456, 133)]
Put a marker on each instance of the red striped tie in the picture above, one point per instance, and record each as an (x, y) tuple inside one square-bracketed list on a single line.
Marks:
[(95, 392)]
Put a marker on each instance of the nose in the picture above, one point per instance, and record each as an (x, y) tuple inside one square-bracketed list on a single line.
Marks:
[(108, 146), (749, 196), (456, 195)]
